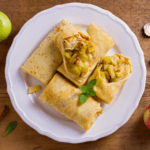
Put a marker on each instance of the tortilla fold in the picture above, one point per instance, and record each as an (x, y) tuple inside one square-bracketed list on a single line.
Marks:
[(44, 61), (96, 37), (101, 39), (61, 95), (105, 90)]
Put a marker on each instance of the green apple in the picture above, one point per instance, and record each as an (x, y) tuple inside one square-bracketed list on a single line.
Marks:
[(146, 117), (5, 26)]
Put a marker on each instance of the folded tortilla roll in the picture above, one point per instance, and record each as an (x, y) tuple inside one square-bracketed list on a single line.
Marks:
[(81, 52), (101, 39), (61, 95), (43, 63), (110, 74)]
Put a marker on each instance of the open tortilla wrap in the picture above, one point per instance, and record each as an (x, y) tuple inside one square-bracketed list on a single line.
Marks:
[(82, 51), (61, 95), (110, 74)]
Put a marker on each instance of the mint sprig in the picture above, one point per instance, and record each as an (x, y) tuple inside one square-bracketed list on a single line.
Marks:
[(10, 127), (87, 90), (83, 89), (91, 84), (83, 98), (91, 92)]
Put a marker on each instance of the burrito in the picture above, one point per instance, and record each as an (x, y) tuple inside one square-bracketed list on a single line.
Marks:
[(110, 74), (61, 95), (43, 63), (81, 51)]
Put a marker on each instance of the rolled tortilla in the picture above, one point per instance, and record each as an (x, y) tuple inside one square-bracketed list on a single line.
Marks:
[(67, 41), (43, 63), (110, 74), (61, 95), (101, 39)]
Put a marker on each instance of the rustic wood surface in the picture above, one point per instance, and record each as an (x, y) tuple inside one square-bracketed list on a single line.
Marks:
[(132, 136)]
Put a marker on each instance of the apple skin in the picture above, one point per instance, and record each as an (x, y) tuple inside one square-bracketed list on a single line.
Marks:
[(5, 26), (146, 117)]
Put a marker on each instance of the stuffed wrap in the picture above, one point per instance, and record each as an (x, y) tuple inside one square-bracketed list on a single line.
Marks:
[(63, 96), (110, 74), (82, 51), (44, 61)]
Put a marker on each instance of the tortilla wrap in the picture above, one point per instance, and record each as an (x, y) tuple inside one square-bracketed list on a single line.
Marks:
[(67, 41), (108, 86), (44, 61), (61, 95)]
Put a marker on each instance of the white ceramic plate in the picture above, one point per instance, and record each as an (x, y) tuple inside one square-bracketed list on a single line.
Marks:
[(42, 117)]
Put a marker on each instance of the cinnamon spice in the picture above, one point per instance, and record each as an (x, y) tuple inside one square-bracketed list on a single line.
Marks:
[(3, 111)]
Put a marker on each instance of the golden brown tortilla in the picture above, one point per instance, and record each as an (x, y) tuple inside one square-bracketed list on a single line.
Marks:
[(67, 41), (43, 63), (107, 85), (101, 39), (61, 95)]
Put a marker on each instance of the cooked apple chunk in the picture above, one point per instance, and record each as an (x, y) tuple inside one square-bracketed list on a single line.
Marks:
[(91, 48), (84, 70), (75, 69), (68, 54), (113, 67), (75, 58), (34, 89), (111, 71), (103, 75)]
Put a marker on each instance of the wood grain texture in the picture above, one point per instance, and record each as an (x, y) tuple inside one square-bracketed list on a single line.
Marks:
[(132, 136)]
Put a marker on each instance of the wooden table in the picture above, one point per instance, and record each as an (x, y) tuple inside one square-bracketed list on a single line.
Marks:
[(132, 136)]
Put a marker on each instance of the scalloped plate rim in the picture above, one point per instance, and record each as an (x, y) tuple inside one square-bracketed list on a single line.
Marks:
[(86, 139)]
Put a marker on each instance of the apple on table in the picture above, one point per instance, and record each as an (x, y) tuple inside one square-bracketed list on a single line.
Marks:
[(5, 26), (147, 117)]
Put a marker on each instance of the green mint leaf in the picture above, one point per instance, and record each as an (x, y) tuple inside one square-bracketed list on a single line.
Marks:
[(10, 127), (91, 84), (91, 92), (83, 97), (83, 89)]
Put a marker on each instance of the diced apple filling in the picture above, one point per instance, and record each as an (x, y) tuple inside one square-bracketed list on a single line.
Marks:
[(103, 75), (34, 89), (110, 72), (75, 58), (107, 60), (68, 54)]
